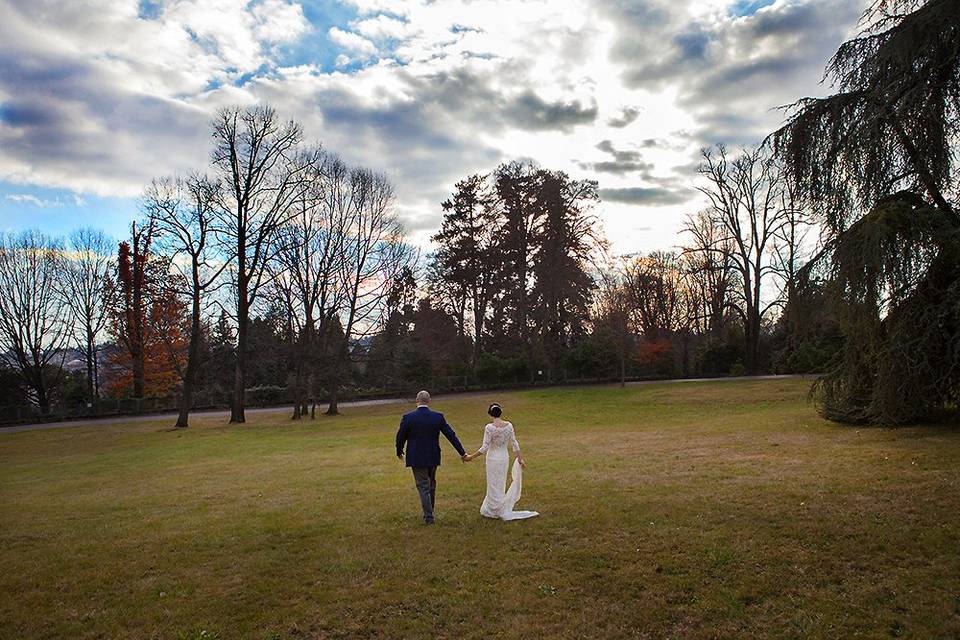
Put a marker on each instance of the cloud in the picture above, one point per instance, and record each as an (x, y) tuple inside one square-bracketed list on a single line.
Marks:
[(624, 118), (530, 111), (44, 203), (26, 198), (100, 101), (383, 27), (732, 65), (278, 21), (352, 42), (623, 161), (72, 125), (97, 101), (618, 155), (651, 196)]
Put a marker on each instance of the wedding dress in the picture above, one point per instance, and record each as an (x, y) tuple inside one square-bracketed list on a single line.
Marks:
[(499, 503)]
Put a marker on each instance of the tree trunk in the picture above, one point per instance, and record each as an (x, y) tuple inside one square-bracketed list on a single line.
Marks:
[(479, 310), (189, 376), (308, 396), (751, 333), (91, 359), (298, 395), (333, 410), (240, 371), (138, 317), (686, 354), (138, 372), (303, 357), (623, 366), (343, 357), (96, 379), (43, 400), (93, 385)]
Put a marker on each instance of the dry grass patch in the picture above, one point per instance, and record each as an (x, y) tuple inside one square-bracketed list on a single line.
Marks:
[(696, 510)]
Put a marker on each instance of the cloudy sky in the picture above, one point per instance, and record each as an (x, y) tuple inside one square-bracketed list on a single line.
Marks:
[(99, 96)]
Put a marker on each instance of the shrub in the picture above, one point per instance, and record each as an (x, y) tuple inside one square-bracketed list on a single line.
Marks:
[(266, 394)]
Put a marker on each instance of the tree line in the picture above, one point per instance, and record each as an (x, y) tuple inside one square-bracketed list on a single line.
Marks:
[(292, 245), (282, 271), (522, 284), (829, 247)]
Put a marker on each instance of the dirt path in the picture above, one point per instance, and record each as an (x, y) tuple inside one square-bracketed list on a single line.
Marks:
[(357, 403)]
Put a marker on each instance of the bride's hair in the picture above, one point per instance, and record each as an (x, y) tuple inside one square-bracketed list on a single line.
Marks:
[(495, 410)]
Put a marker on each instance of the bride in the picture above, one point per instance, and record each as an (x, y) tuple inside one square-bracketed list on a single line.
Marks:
[(496, 435)]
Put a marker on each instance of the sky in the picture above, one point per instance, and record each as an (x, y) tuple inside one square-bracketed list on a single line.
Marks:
[(97, 97)]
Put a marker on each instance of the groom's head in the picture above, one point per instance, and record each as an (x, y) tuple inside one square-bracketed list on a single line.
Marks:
[(423, 398)]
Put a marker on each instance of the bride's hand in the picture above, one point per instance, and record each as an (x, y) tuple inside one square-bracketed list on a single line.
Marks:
[(523, 465)]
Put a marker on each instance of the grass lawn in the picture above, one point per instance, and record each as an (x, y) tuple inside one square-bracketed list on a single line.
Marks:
[(696, 510)]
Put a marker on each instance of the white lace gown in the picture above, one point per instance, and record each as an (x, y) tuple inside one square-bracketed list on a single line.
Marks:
[(499, 503)]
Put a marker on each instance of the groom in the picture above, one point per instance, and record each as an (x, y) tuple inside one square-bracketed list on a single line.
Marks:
[(420, 431)]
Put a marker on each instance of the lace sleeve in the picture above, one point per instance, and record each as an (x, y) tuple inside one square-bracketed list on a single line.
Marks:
[(486, 439), (513, 439)]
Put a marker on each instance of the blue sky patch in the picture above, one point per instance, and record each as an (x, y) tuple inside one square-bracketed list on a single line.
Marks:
[(60, 211), (748, 7), (315, 47)]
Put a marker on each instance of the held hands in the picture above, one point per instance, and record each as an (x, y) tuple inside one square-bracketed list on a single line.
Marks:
[(465, 458)]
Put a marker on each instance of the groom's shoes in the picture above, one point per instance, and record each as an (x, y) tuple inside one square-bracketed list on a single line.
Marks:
[(430, 521)]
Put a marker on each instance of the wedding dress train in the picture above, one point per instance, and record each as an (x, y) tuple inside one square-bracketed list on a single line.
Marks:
[(499, 503)]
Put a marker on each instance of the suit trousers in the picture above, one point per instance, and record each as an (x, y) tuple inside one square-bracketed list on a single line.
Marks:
[(426, 480)]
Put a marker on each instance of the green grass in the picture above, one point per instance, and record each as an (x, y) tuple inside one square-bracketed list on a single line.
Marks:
[(700, 510)]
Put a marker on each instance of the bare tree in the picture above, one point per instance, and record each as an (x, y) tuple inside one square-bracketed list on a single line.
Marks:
[(707, 264), (745, 196), (184, 212), (613, 309), (653, 284), (256, 158), (791, 258), (375, 253), (34, 315), (311, 261), (87, 289)]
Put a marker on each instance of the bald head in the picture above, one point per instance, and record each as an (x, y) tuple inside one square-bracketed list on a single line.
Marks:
[(423, 398)]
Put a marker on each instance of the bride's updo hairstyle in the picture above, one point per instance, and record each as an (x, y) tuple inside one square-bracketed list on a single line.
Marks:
[(495, 410)]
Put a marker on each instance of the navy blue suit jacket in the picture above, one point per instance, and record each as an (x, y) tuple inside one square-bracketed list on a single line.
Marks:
[(420, 430)]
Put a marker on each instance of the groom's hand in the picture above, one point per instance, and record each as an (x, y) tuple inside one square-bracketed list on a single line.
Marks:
[(400, 457), (465, 458)]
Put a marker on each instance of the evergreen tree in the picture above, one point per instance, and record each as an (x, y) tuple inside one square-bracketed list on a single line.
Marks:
[(878, 161), (564, 245), (515, 257), (435, 335), (220, 365), (466, 250)]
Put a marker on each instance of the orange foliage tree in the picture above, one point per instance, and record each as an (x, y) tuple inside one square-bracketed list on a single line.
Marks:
[(147, 321)]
